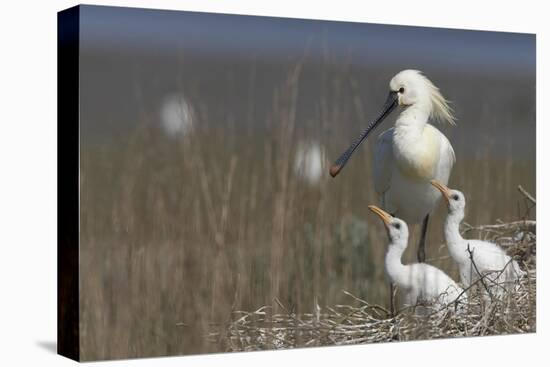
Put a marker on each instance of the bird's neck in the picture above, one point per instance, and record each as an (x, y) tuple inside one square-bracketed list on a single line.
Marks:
[(415, 147), (413, 119), (454, 239), (397, 272)]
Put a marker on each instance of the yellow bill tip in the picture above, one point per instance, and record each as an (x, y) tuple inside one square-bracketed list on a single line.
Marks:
[(386, 218), (442, 188)]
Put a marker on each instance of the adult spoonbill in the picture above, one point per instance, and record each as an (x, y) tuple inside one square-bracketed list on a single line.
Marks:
[(411, 153), (420, 282), (474, 257)]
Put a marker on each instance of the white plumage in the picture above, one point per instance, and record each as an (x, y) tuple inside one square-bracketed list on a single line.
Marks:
[(419, 282), (400, 178), (411, 153), (490, 260)]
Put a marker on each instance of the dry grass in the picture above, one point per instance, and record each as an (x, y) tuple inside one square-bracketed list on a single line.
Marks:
[(363, 322), (179, 233)]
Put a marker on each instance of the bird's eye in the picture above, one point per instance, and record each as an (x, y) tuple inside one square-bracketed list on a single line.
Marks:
[(397, 225), (401, 90), (455, 197)]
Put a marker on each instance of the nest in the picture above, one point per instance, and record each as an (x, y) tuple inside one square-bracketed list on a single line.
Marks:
[(512, 312)]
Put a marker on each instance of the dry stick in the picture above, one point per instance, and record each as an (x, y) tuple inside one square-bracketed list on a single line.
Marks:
[(471, 254), (529, 225), (527, 195), (366, 303), (289, 313), (499, 273), (480, 279), (347, 317)]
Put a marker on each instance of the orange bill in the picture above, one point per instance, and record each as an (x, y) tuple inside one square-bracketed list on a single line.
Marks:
[(444, 189), (386, 218)]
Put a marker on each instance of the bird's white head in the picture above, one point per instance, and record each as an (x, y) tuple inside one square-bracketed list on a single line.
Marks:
[(456, 202), (397, 229), (414, 89), (408, 89)]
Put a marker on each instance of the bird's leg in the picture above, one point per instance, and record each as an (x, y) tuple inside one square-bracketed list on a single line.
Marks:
[(421, 254), (392, 306)]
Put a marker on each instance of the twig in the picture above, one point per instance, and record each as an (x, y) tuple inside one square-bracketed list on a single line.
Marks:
[(377, 307), (527, 195), (471, 254), (529, 225)]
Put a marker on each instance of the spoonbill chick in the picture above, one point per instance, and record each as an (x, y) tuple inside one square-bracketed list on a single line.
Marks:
[(411, 153), (420, 282), (474, 257)]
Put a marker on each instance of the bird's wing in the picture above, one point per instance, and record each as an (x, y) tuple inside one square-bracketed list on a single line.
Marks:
[(491, 258), (488, 256), (383, 162), (432, 281), (447, 159)]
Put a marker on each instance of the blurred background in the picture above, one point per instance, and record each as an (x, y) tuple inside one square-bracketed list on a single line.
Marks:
[(205, 145)]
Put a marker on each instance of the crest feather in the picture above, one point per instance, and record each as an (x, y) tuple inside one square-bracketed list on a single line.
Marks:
[(441, 110)]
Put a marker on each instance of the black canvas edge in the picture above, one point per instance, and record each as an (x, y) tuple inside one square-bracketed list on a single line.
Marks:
[(68, 325)]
